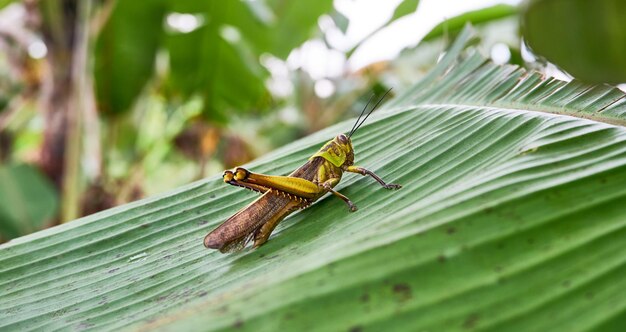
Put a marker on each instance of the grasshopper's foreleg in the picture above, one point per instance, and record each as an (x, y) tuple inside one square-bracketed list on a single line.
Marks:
[(363, 171), (328, 186)]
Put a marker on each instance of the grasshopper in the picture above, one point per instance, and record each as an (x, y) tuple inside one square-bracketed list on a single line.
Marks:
[(282, 195)]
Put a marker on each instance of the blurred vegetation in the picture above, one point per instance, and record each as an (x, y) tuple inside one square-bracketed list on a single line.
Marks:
[(585, 38), (104, 102)]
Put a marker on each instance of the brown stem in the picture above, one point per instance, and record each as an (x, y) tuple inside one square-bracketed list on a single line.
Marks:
[(66, 95)]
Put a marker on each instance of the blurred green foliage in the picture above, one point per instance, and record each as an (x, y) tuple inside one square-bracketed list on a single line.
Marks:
[(183, 89), (27, 200), (218, 60), (585, 38)]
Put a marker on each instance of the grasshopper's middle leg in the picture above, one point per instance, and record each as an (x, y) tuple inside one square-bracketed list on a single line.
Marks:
[(363, 171), (328, 186)]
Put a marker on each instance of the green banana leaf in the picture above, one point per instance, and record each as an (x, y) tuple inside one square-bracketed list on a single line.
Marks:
[(511, 218)]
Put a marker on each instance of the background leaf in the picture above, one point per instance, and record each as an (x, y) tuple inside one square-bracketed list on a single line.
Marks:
[(455, 24), (406, 7), (585, 38), (27, 200), (125, 53), (511, 218)]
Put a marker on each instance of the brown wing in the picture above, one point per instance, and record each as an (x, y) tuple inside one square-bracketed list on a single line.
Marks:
[(243, 226), (237, 230)]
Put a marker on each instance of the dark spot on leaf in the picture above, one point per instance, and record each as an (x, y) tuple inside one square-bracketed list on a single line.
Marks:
[(59, 313), (84, 325), (202, 222), (113, 270), (402, 291), (238, 324), (441, 259), (451, 230), (161, 298), (289, 316), (356, 328), (167, 256), (202, 294), (145, 225), (364, 298), (470, 321), (262, 255)]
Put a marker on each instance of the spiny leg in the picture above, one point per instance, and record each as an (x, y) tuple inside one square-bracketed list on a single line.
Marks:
[(363, 171), (328, 187)]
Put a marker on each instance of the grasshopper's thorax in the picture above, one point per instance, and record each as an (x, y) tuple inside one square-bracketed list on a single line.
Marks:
[(338, 155), (338, 151)]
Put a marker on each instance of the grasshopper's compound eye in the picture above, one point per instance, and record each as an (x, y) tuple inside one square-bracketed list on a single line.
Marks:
[(343, 139), (241, 174)]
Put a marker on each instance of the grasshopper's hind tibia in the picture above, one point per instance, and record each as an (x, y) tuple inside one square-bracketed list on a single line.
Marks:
[(363, 171)]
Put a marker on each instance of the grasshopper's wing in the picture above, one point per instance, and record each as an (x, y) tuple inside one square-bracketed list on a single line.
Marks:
[(242, 227), (238, 244), (288, 184)]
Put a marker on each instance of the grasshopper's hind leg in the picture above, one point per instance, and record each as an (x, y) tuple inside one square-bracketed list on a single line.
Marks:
[(363, 171), (291, 185), (263, 233), (229, 177)]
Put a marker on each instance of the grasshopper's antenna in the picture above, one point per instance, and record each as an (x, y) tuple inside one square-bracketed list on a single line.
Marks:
[(360, 115), (370, 112)]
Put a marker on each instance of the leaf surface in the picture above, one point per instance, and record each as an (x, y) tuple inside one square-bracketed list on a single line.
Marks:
[(511, 218)]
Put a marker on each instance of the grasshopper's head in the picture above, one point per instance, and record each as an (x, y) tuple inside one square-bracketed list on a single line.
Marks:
[(343, 143), (339, 151)]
